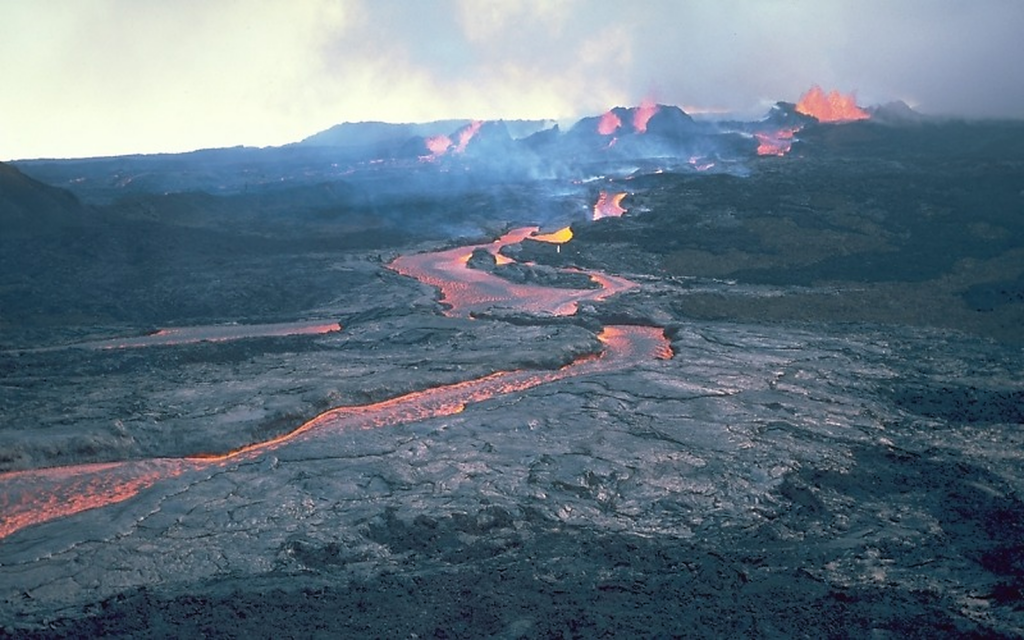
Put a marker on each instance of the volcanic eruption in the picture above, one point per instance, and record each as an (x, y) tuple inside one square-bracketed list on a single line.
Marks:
[(609, 123), (643, 114), (830, 107), (801, 395)]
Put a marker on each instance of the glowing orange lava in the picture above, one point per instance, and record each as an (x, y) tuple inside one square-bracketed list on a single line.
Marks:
[(643, 114), (437, 146), (830, 107), (644, 343), (41, 495), (775, 143), (466, 134), (608, 124), (609, 205), (468, 291), (561, 236)]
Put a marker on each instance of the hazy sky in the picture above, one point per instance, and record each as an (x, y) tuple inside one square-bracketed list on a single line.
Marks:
[(101, 77)]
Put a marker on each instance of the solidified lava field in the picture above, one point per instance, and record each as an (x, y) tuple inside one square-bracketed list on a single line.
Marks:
[(780, 399)]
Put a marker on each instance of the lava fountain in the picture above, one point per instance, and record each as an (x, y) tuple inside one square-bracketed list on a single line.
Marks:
[(830, 107), (466, 134), (608, 124), (643, 114)]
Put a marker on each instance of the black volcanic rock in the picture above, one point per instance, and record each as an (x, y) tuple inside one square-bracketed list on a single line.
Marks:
[(520, 129), (668, 121), (669, 131), (896, 113), (492, 138), (405, 141), (479, 140), (672, 122), (587, 128), (29, 207), (784, 114), (414, 147), (832, 450), (543, 139), (379, 134)]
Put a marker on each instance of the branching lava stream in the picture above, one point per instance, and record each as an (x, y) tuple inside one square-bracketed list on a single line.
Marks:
[(40, 495)]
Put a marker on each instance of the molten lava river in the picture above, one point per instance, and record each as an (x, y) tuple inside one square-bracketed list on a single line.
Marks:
[(40, 495)]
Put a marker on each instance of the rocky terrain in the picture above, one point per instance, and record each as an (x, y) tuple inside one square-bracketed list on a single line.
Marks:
[(832, 449)]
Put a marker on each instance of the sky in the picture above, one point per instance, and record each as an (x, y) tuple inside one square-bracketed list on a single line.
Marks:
[(107, 77)]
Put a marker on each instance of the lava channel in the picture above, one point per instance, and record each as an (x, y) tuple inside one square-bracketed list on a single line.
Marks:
[(466, 291), (40, 495), (173, 336), (609, 205)]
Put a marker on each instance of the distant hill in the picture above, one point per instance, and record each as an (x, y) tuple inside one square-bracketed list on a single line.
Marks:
[(379, 134), (389, 159), (898, 113), (30, 207), (387, 135)]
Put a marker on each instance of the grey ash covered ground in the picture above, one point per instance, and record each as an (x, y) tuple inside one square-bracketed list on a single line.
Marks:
[(834, 450)]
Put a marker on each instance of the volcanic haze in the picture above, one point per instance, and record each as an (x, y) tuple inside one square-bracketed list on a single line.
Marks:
[(107, 77)]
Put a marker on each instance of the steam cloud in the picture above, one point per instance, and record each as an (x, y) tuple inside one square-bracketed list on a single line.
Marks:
[(119, 76)]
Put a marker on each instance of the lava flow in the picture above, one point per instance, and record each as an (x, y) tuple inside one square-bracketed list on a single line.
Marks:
[(214, 333), (609, 205), (41, 495), (467, 291), (561, 236), (775, 143), (830, 107)]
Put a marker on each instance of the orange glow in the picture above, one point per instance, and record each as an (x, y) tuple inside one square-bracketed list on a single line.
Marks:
[(635, 342), (32, 497), (775, 143), (468, 291), (830, 107), (438, 145), (608, 124), (40, 495), (643, 114), (609, 205), (466, 134), (556, 237)]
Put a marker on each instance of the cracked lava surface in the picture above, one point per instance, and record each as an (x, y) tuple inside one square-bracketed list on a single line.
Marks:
[(35, 496)]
